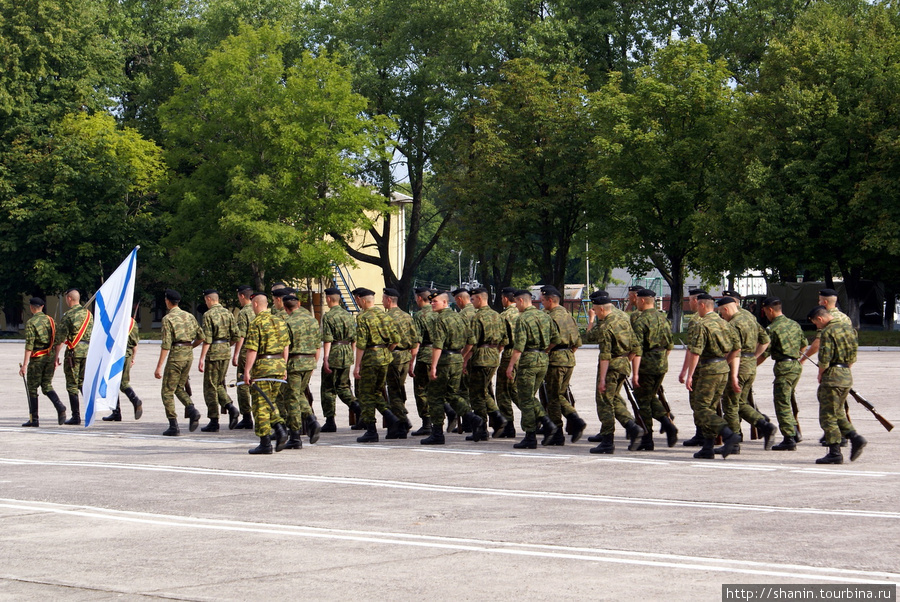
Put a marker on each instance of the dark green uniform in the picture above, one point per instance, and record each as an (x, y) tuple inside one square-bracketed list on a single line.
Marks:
[(653, 335), (133, 338), (467, 313), (488, 335), (39, 340), (561, 364), (423, 321), (401, 357), (75, 331), (179, 331), (375, 333), (837, 351), (450, 334), (268, 336), (616, 339), (711, 339), (736, 406), (534, 334), (219, 332), (303, 330), (244, 317), (339, 329), (787, 340), (506, 387)]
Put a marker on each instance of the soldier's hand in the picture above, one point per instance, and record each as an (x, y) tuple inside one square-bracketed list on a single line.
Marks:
[(433, 373), (509, 373), (21, 370), (158, 373), (411, 371), (601, 386), (681, 377), (200, 366), (234, 361), (326, 367), (688, 383), (356, 372), (634, 382), (735, 385)]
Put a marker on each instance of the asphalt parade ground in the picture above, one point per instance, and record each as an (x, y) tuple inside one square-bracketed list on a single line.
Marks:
[(116, 511)]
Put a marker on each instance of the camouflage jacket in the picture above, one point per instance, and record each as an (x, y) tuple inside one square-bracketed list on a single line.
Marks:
[(653, 335), (509, 315), (219, 325), (375, 332), (838, 346), (786, 338), (750, 334), (303, 331), (242, 322), (40, 334), (178, 327), (534, 334), (450, 334), (134, 336), (563, 353), (712, 338), (76, 320), (467, 313), (836, 315), (424, 321), (409, 336), (488, 333), (268, 336), (338, 325)]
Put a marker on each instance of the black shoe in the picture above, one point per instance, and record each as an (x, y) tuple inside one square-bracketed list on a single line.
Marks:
[(767, 430), (172, 431), (730, 441), (696, 441), (508, 432), (32, 422), (833, 456), (354, 407), (475, 423), (558, 439), (735, 451), (668, 427), (706, 450), (136, 402), (425, 429), (824, 444), (370, 436), (76, 411), (330, 425), (115, 416), (452, 418), (634, 433), (549, 429), (788, 444), (313, 429), (60, 407), (212, 427), (607, 445), (281, 436), (234, 416), (497, 422), (528, 442), (294, 441), (575, 426), (264, 447), (646, 442), (246, 422), (595, 438), (394, 425), (857, 443), (193, 416), (436, 437)]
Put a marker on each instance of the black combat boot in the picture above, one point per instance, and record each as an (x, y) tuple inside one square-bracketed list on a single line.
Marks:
[(696, 441), (32, 413), (706, 450), (193, 416), (60, 407), (212, 427), (313, 428), (824, 444), (452, 418), (730, 441), (646, 442), (116, 415), (437, 435), (833, 456), (294, 441), (607, 445), (281, 436), (595, 438), (529, 442), (135, 401), (496, 422), (394, 425), (788, 444), (357, 410), (234, 415), (668, 427), (857, 443), (575, 426), (246, 422), (264, 447), (548, 429), (558, 439), (735, 451), (172, 431), (767, 430), (425, 429), (634, 433), (508, 432), (473, 421), (479, 434), (330, 425), (76, 411), (371, 434)]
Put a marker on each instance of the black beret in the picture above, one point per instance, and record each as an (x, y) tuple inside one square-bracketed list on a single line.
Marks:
[(332, 291), (646, 292), (281, 292), (600, 293), (254, 295), (479, 291), (435, 294), (210, 291), (696, 291), (362, 292), (460, 291), (828, 292), (725, 301), (522, 293), (244, 287), (73, 290), (734, 294), (173, 296), (704, 297), (392, 292), (634, 289), (769, 301), (508, 290), (291, 297), (601, 300), (550, 290), (36, 302), (422, 290)]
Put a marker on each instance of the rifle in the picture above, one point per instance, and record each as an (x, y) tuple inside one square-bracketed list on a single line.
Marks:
[(543, 395), (569, 397), (796, 410), (661, 395), (629, 393), (863, 402)]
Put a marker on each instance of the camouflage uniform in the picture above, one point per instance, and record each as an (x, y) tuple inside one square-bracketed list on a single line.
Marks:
[(712, 340), (339, 329), (219, 331), (616, 341), (73, 322), (133, 338), (467, 313), (786, 342), (562, 364), (303, 330), (653, 335), (244, 317), (506, 387), (837, 350), (39, 339), (423, 321), (179, 331), (375, 333), (488, 335), (534, 334), (450, 334), (736, 406), (268, 336), (401, 357)]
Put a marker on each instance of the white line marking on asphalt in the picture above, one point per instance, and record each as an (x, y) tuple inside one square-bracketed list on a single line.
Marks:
[(673, 561), (454, 489), (432, 450)]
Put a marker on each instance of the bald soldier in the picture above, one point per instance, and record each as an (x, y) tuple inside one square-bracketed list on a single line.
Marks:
[(39, 363), (74, 331), (219, 333)]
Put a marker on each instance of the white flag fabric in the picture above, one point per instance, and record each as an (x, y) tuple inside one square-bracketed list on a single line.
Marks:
[(109, 339)]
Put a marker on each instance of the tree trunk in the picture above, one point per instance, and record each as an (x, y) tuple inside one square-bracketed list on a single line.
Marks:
[(852, 287)]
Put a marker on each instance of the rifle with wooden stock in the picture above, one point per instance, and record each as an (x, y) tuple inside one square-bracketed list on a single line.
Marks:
[(863, 402)]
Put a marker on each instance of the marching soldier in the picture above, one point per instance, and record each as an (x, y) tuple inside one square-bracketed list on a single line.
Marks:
[(125, 385), (837, 353), (560, 368), (828, 299), (180, 334), (532, 340), (753, 341), (713, 349), (489, 333), (75, 332), (422, 320), (616, 342), (697, 439), (278, 295), (787, 345), (339, 346), (654, 343), (376, 337), (267, 349), (463, 300), (39, 363), (506, 386), (403, 355), (303, 355), (631, 308), (239, 359), (219, 332)]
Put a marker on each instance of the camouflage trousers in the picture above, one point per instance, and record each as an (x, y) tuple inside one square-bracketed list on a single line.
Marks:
[(265, 413), (214, 393), (446, 389), (334, 385), (557, 381), (481, 394), (708, 390), (396, 384), (40, 374), (506, 388), (291, 401), (529, 375), (610, 405), (832, 415), (73, 368), (783, 392), (736, 406), (647, 398), (126, 373), (243, 391), (372, 380), (420, 388), (175, 376)]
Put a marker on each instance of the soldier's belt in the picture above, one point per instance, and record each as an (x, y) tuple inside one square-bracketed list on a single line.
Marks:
[(217, 341), (711, 360), (402, 348), (489, 346), (302, 355), (376, 347), (451, 351), (269, 356), (534, 350), (747, 354), (838, 366), (787, 359), (342, 343), (180, 344), (426, 345), (555, 349)]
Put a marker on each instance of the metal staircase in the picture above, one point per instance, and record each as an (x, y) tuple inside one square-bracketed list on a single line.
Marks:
[(344, 283)]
